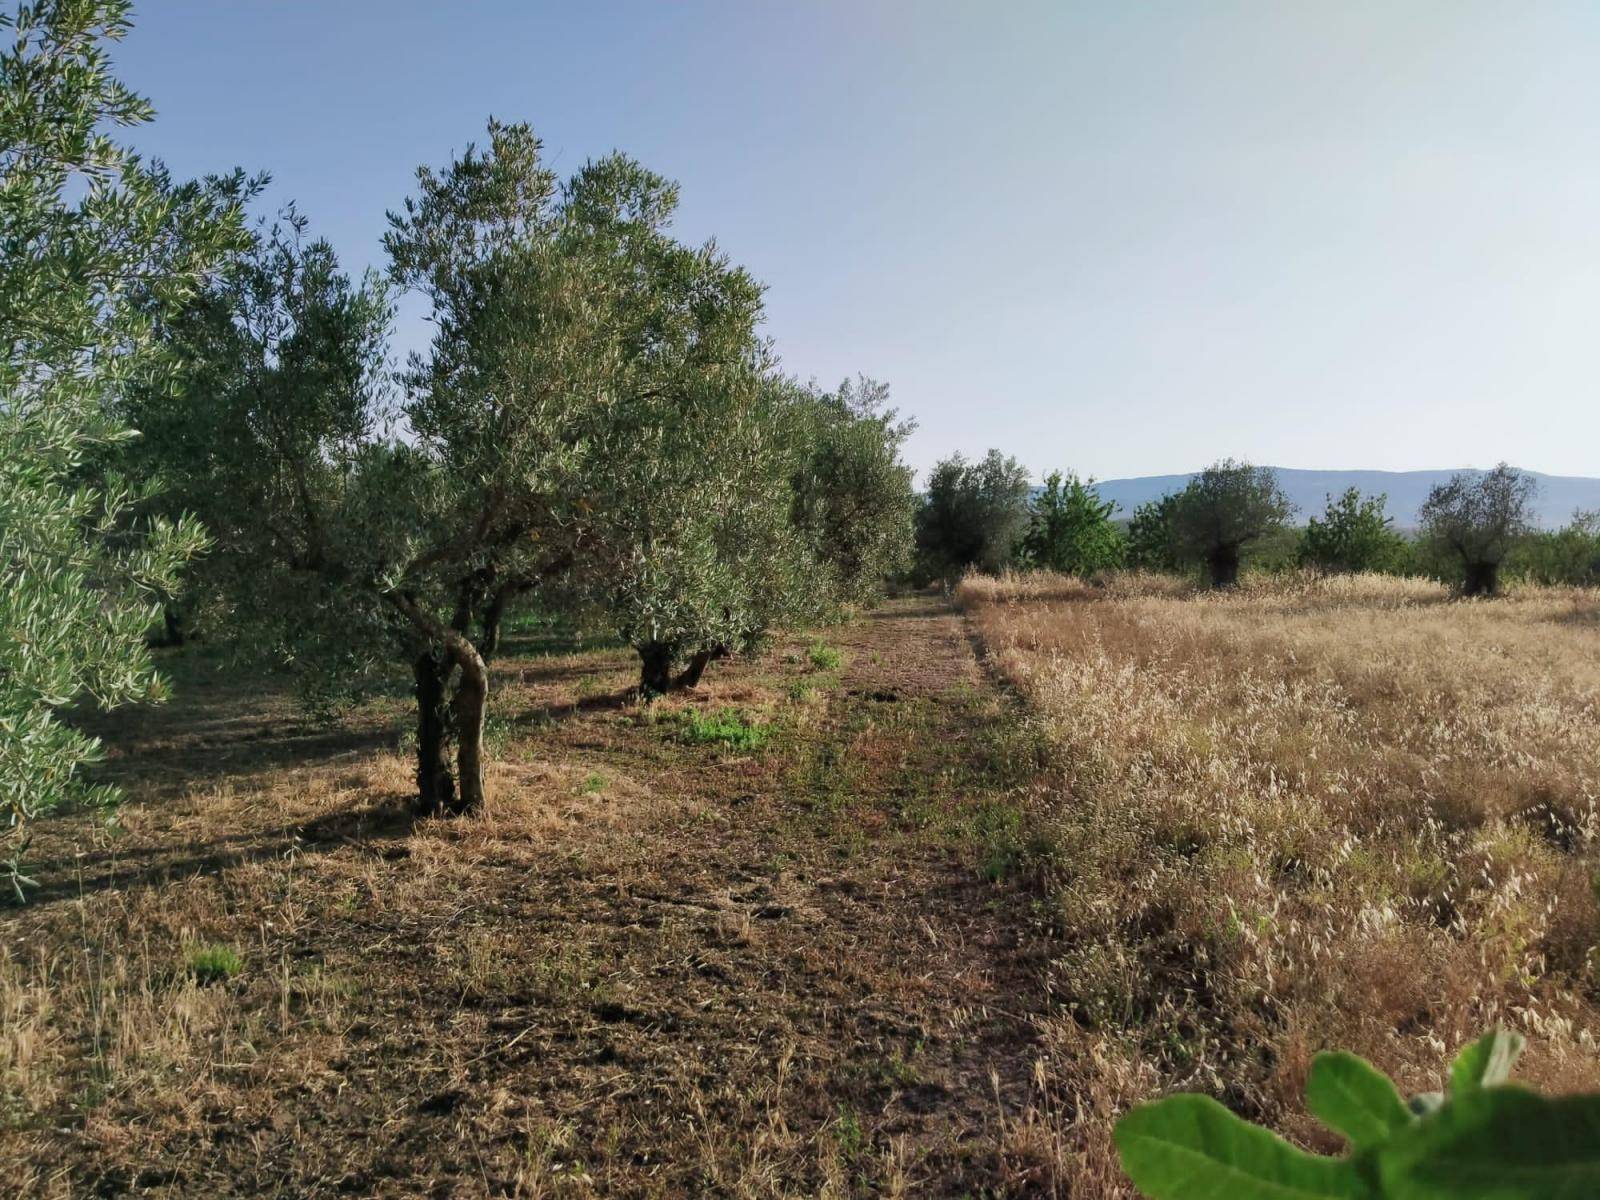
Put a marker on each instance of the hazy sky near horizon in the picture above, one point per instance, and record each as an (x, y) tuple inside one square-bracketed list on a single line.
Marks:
[(1121, 238)]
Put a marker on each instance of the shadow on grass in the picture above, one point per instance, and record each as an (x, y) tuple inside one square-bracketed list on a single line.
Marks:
[(555, 714), (933, 606), (86, 872)]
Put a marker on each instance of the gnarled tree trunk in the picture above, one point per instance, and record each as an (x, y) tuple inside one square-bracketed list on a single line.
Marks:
[(655, 669), (690, 675), (436, 788), (1223, 565), (1483, 579), (489, 635), (469, 705)]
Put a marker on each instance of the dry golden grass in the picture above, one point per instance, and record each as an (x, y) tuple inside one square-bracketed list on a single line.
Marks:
[(1349, 812)]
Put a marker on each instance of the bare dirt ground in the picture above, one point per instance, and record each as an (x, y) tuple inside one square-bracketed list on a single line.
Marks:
[(656, 968)]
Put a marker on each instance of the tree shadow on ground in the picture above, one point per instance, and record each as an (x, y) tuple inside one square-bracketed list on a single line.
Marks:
[(126, 868), (933, 607), (559, 712)]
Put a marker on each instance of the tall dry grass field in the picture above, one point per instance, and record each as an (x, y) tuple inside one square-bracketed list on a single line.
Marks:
[(1348, 812)]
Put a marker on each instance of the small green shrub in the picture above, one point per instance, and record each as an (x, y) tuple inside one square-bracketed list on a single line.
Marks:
[(724, 727), (825, 657), (213, 963), (1485, 1140)]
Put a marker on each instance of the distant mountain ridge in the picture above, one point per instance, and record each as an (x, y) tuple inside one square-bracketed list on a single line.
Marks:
[(1558, 495)]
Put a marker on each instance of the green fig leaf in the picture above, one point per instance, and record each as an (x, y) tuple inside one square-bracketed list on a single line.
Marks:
[(1352, 1097), (1498, 1143), (1192, 1148), (1485, 1062), (1424, 1103)]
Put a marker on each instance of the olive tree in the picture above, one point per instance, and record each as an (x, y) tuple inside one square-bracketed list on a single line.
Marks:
[(689, 545), (700, 557), (276, 386), (1476, 518), (98, 246), (1222, 510), (373, 532), (972, 515), (853, 496)]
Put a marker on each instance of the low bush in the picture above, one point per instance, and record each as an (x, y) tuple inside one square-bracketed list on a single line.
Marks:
[(825, 657)]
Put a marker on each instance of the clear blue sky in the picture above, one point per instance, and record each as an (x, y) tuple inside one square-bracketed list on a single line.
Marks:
[(1122, 238)]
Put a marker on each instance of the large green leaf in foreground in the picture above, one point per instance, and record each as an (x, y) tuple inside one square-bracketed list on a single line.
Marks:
[(1488, 1140), (1349, 1095), (1192, 1148), (1498, 1143)]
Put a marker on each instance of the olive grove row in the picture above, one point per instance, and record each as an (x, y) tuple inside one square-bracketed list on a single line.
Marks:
[(987, 516), (200, 423)]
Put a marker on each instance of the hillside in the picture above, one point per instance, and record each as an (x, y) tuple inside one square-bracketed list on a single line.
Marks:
[(1558, 495)]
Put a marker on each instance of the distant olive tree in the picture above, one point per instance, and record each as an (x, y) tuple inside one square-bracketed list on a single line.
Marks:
[(1476, 518), (1150, 536), (99, 248), (818, 521), (853, 495), (972, 515), (1070, 528), (275, 381), (1354, 533), (1224, 509), (701, 557)]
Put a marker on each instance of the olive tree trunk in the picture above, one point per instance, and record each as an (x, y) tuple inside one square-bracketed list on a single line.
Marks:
[(436, 788), (489, 636), (1482, 579), (1223, 566), (655, 669), (690, 675), (469, 706), (443, 711)]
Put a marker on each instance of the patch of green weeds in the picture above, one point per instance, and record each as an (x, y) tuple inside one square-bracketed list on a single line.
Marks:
[(497, 733), (723, 727), (825, 657), (213, 963), (848, 1132)]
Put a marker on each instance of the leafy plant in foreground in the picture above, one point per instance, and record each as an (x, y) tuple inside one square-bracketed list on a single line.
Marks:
[(98, 247), (1486, 1139)]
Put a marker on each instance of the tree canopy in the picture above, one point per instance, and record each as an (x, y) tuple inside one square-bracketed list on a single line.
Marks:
[(99, 247), (1476, 518), (1223, 509), (972, 515), (1070, 528), (1354, 533)]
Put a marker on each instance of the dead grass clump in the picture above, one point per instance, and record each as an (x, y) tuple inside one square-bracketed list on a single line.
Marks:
[(1311, 812)]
